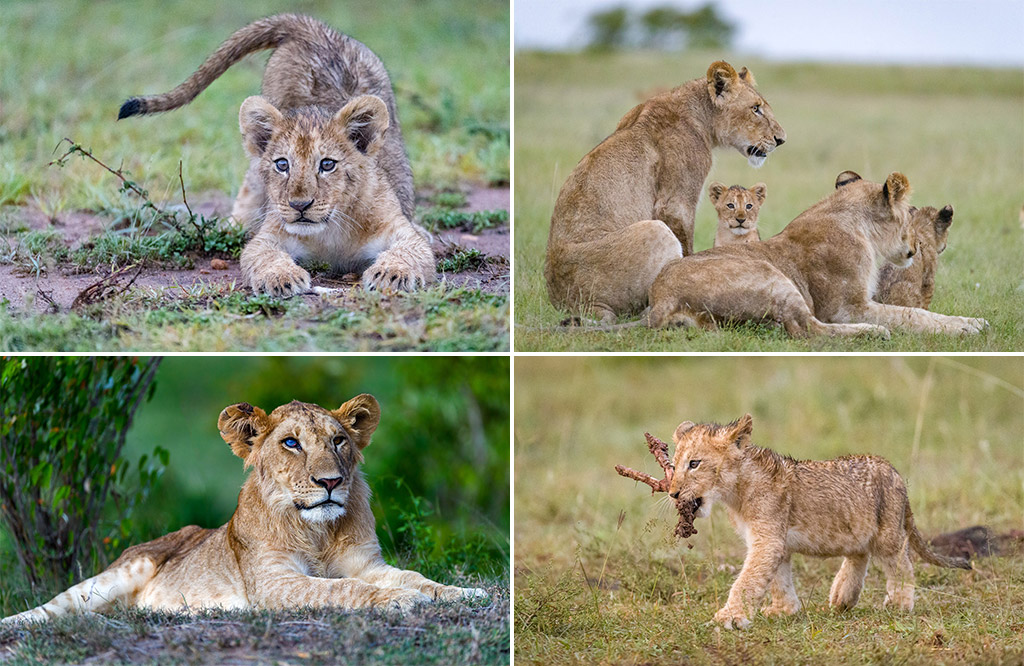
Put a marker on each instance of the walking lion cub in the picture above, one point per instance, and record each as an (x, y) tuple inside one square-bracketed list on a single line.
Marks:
[(854, 506)]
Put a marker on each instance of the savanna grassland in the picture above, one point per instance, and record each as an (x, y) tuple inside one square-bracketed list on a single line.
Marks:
[(956, 133), (171, 279), (600, 579)]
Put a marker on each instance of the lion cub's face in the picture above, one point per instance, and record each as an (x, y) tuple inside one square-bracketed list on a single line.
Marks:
[(743, 118), (932, 226), (314, 166), (737, 206), (707, 459), (305, 456), (886, 212)]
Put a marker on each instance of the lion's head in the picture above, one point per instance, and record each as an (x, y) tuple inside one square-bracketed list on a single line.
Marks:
[(743, 118), (305, 457), (737, 206), (314, 166), (883, 211), (707, 460)]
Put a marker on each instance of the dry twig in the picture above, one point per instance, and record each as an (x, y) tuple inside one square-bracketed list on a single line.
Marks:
[(105, 287), (686, 508)]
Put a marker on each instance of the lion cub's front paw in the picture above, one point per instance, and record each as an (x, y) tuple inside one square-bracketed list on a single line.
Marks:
[(280, 279), (401, 599), (731, 619), (392, 272)]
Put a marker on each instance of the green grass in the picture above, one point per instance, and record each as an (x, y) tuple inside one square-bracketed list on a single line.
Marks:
[(955, 132), (600, 579), (449, 65)]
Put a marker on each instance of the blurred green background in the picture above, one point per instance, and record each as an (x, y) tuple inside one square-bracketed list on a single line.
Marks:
[(438, 464)]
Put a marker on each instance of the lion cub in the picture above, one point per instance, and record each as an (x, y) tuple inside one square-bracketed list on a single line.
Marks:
[(854, 506), (737, 212), (914, 285), (328, 179)]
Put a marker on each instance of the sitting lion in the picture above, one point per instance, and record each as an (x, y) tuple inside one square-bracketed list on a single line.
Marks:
[(914, 285), (737, 212), (815, 277), (302, 535), (329, 180), (854, 506), (628, 207)]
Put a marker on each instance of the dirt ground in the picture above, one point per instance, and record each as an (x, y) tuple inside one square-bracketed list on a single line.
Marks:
[(58, 289)]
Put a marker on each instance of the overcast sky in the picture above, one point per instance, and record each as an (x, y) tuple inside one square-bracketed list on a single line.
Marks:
[(978, 32)]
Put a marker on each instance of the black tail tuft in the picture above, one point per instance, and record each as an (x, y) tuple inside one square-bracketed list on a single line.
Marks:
[(132, 107)]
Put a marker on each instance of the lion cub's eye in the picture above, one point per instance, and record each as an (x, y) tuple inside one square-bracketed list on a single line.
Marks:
[(291, 443), (281, 165), (757, 109), (326, 166), (730, 206), (339, 440), (694, 464), (749, 206)]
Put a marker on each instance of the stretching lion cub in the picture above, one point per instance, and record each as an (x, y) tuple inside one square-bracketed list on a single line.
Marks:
[(302, 535), (328, 180), (854, 506), (737, 212)]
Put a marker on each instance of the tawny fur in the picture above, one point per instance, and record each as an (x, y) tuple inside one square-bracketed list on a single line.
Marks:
[(345, 196), (737, 209), (854, 506), (816, 277), (286, 545), (914, 286), (628, 207)]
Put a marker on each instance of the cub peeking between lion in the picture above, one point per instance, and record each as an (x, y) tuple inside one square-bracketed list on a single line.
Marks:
[(328, 179)]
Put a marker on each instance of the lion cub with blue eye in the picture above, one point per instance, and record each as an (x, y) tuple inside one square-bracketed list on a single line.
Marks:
[(328, 180)]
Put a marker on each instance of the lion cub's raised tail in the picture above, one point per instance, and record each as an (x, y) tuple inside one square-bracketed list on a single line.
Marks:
[(265, 33), (921, 547)]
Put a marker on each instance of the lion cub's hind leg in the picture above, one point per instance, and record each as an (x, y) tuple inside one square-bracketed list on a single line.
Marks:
[(783, 595), (899, 580), (848, 583)]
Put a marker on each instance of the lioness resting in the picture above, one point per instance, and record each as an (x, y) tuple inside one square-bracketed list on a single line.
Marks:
[(628, 207), (815, 277), (302, 535), (328, 180), (914, 285), (854, 506), (737, 212)]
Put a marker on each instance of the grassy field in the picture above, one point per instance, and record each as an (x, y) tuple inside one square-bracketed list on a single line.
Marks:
[(956, 134), (600, 579), (67, 68)]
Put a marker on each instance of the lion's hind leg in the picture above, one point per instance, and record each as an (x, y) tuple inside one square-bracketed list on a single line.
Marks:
[(848, 583), (98, 594)]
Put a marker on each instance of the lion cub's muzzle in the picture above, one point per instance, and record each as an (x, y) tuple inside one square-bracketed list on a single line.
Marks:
[(697, 501)]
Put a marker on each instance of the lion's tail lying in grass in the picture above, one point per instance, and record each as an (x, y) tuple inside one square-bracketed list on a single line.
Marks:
[(922, 548)]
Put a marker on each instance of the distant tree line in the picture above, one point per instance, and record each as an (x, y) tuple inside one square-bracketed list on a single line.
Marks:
[(665, 27)]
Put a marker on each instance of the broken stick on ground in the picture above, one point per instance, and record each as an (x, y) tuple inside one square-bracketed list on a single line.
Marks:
[(685, 507)]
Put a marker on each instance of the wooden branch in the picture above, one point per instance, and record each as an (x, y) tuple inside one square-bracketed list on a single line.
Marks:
[(659, 450)]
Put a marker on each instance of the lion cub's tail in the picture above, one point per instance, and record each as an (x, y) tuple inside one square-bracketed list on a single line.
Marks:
[(922, 548), (265, 33)]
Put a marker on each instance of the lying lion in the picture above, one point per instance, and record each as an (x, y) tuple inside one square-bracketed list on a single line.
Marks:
[(302, 535), (854, 506), (815, 277), (628, 207)]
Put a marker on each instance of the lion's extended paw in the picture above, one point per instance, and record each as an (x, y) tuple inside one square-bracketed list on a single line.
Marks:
[(731, 619), (394, 275), (974, 325), (453, 593), (401, 599), (280, 279)]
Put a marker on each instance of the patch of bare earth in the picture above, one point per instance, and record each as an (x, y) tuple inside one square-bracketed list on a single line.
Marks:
[(58, 287)]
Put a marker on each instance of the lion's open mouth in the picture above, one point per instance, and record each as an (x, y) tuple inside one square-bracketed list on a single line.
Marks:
[(754, 151)]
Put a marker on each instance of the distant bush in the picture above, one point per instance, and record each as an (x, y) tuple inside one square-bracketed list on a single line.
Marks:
[(662, 28), (63, 429)]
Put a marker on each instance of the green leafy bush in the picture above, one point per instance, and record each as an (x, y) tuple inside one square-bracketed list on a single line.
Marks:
[(64, 425)]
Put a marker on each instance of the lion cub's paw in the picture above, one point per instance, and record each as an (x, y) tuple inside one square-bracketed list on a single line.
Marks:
[(280, 279), (402, 599), (780, 610), (395, 273), (731, 619)]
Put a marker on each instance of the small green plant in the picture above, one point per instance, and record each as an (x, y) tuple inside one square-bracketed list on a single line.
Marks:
[(474, 222), (463, 260), (64, 425), (450, 199)]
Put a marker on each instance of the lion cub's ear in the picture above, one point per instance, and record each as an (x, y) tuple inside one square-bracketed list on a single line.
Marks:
[(721, 79), (747, 76), (716, 190), (944, 219), (240, 424), (896, 188), (257, 118), (363, 121), (760, 191), (681, 430), (847, 177), (740, 431), (360, 416)]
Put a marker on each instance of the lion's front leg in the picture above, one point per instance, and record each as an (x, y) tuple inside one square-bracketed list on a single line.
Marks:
[(365, 562), (678, 213), (269, 269), (405, 265), (764, 555), (289, 589), (917, 319)]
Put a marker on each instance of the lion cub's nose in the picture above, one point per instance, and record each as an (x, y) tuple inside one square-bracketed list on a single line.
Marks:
[(329, 484), (301, 206), (674, 495)]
